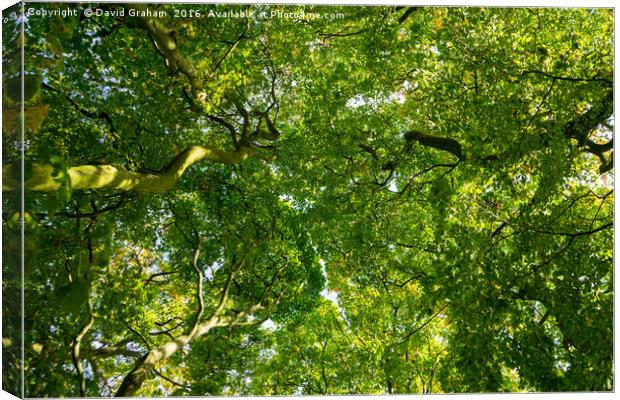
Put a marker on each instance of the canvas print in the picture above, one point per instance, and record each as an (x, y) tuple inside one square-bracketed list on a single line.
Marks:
[(268, 199)]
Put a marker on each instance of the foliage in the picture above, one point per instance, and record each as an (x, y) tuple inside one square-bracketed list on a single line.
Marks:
[(381, 200)]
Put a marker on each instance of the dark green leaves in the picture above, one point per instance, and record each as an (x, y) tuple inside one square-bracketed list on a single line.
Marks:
[(72, 297)]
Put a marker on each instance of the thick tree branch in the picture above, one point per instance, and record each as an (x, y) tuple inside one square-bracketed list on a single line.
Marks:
[(164, 40), (406, 14), (134, 380), (446, 144), (369, 150), (578, 129), (44, 178)]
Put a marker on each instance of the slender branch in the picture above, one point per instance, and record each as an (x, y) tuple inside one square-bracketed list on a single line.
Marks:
[(163, 273), (402, 284), (567, 78), (220, 307), (175, 383), (77, 362), (598, 209), (95, 211), (229, 126), (555, 255), (140, 335), (425, 170), (572, 234), (323, 374), (269, 286), (168, 321), (99, 114), (542, 102), (166, 331), (231, 48), (416, 330), (326, 36), (199, 296)]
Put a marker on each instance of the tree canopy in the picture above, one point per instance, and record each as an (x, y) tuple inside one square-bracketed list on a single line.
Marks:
[(267, 199)]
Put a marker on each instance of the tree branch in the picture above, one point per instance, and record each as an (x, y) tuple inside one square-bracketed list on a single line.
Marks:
[(163, 273), (96, 211), (572, 234), (201, 302), (578, 129), (446, 144), (175, 383), (77, 362), (416, 330), (44, 178), (134, 380), (406, 14), (114, 350), (567, 78), (164, 40)]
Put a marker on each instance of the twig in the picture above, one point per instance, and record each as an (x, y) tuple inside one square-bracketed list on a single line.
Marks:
[(416, 330), (163, 273), (170, 380)]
